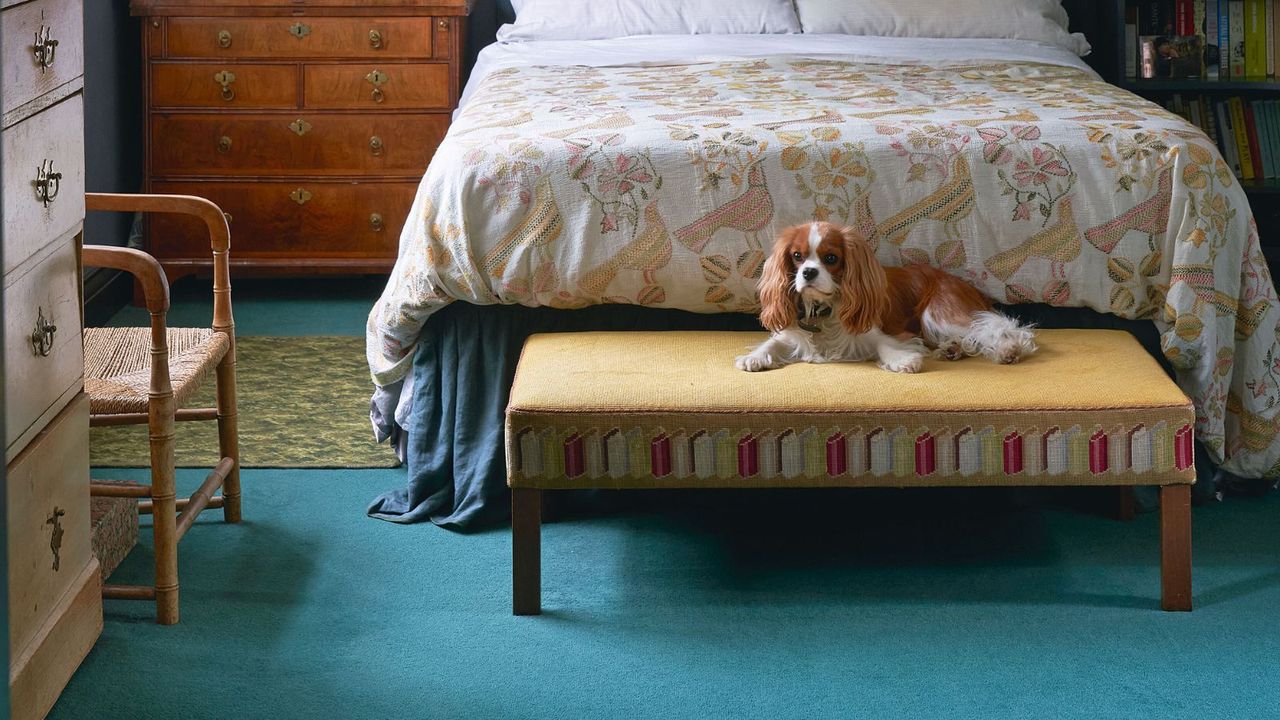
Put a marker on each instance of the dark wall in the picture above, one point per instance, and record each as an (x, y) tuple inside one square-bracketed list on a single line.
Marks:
[(113, 118)]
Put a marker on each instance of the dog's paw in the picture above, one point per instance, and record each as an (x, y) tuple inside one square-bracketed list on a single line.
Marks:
[(951, 351), (906, 362), (754, 362)]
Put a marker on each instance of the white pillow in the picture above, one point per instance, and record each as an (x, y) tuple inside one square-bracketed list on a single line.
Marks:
[(599, 19), (1039, 20)]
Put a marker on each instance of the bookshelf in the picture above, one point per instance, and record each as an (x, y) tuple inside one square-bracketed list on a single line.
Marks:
[(1110, 63)]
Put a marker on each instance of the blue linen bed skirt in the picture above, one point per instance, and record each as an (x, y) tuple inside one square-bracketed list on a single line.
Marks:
[(455, 451)]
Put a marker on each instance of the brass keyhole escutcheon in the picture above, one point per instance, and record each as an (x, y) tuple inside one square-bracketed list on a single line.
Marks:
[(375, 222), (375, 39), (300, 196), (300, 127), (47, 182), (375, 145), (55, 540), (224, 39), (377, 78), (42, 335), (299, 30), (224, 79), (45, 48), (224, 144)]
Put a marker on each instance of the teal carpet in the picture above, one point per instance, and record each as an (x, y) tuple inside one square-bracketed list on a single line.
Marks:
[(920, 604)]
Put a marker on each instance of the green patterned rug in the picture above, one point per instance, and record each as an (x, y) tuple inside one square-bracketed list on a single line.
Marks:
[(304, 403)]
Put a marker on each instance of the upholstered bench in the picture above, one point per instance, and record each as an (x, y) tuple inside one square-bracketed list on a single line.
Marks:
[(669, 410)]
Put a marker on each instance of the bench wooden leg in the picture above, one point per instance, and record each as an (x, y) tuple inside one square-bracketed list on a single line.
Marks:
[(1126, 503), (526, 551), (1175, 547)]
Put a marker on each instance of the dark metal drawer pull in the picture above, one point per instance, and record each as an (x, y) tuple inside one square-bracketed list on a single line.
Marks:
[(42, 336)]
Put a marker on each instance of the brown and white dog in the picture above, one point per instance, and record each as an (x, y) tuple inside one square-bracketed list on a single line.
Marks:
[(826, 298)]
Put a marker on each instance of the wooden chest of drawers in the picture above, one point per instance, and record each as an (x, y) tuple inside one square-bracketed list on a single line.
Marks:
[(55, 605), (310, 122)]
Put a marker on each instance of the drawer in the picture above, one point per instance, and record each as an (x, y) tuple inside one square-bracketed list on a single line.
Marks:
[(48, 507), (396, 85), (304, 144), (202, 85), (334, 220), (59, 21), (36, 384), (300, 37), (53, 139)]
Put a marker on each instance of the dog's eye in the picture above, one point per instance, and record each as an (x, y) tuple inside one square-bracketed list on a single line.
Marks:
[(797, 257), (829, 259)]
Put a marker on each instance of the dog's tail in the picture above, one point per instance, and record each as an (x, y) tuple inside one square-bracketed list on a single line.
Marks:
[(998, 337)]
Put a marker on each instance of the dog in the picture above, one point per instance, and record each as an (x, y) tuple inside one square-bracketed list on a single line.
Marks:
[(826, 298)]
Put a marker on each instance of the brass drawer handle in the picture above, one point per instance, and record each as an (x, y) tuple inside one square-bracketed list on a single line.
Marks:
[(300, 196), (300, 127), (55, 540), (47, 182), (444, 23), (377, 78), (375, 39), (42, 336), (375, 222), (224, 39), (224, 79), (45, 48), (375, 145), (299, 30), (224, 144)]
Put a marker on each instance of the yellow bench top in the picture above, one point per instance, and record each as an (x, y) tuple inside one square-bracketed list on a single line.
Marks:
[(669, 409)]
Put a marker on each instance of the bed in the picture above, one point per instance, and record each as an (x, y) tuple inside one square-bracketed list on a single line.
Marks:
[(638, 182)]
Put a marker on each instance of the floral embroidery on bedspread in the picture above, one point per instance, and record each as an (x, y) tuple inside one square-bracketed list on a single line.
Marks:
[(662, 186)]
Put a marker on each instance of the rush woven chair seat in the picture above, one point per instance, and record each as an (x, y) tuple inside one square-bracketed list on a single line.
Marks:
[(143, 376), (117, 373), (669, 410)]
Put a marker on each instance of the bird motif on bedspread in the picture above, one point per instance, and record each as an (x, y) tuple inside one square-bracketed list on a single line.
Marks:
[(612, 121), (1059, 243), (750, 213), (1199, 277), (1150, 216), (648, 252), (949, 204), (540, 227)]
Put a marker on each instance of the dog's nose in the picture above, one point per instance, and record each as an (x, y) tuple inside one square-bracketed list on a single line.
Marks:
[(810, 273)]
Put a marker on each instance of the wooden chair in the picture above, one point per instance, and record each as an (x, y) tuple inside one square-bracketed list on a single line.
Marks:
[(135, 376)]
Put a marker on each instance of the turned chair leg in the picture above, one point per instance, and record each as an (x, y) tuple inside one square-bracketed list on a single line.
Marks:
[(164, 509), (228, 436), (1175, 547), (526, 551)]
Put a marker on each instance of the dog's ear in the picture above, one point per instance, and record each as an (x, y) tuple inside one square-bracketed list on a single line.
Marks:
[(864, 289), (779, 304)]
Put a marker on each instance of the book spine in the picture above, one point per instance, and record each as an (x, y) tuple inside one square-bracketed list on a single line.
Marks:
[(1211, 37), (1151, 18), (1224, 38), (1251, 131), (1255, 39), (1210, 121), (1264, 113), (1182, 26), (1268, 26), (1273, 122), (1254, 111), (1228, 136), (1131, 42), (1241, 138), (1236, 32), (1274, 31)]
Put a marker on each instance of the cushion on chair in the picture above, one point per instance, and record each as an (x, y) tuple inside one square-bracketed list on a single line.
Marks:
[(669, 409), (117, 365)]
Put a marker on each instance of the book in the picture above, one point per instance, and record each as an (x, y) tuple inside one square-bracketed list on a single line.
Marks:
[(1268, 27), (1224, 38), (1273, 119), (1131, 42), (1153, 17), (1259, 128), (1236, 34), (1255, 147), (1210, 120), (1255, 38), (1182, 18), (1212, 41), (1228, 137), (1241, 133), (1193, 114), (1275, 26)]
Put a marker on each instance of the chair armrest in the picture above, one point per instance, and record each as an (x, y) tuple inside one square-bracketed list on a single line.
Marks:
[(205, 210), (143, 267)]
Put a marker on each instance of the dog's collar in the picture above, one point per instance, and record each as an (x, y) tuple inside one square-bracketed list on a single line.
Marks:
[(807, 313)]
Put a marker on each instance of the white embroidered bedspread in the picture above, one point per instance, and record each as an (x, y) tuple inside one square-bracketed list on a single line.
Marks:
[(663, 185)]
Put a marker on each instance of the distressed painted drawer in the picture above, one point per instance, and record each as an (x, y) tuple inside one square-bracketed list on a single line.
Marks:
[(392, 85), (54, 21), (242, 86), (300, 37), (306, 144), (334, 219), (48, 514), (38, 385), (54, 140)]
